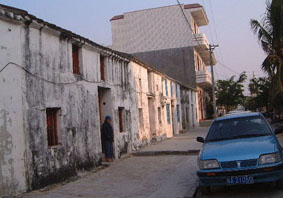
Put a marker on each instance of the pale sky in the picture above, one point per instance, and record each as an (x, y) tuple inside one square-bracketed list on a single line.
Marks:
[(239, 49)]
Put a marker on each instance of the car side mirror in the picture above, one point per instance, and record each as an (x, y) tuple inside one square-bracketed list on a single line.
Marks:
[(278, 130), (200, 139)]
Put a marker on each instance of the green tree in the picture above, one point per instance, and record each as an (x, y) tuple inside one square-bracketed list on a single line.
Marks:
[(259, 90), (270, 36), (230, 93)]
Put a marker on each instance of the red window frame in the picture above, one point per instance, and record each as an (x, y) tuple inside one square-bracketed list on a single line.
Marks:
[(52, 126), (102, 68), (121, 111), (76, 59)]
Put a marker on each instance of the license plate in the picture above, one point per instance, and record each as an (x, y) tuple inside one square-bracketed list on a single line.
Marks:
[(241, 180)]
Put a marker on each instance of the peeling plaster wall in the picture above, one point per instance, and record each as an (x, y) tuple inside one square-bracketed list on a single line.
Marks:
[(12, 140), (161, 129), (189, 108), (141, 82), (49, 57), (177, 102)]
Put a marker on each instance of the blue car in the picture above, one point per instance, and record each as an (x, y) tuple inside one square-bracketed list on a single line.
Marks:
[(240, 149)]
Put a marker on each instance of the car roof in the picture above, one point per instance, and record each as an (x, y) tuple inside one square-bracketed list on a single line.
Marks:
[(238, 115)]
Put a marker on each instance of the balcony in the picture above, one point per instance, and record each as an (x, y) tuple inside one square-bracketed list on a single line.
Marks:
[(203, 78), (198, 13), (200, 39), (201, 44)]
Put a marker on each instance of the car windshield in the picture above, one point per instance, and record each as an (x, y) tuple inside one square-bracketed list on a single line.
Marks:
[(234, 128)]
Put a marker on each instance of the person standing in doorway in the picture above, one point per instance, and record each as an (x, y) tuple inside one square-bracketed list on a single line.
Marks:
[(108, 138)]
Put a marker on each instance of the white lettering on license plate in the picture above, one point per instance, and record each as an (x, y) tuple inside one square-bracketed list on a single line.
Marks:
[(241, 180)]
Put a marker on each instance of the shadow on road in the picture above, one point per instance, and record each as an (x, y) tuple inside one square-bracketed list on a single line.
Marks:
[(255, 190)]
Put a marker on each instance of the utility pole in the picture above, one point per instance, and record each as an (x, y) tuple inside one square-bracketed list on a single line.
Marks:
[(211, 49)]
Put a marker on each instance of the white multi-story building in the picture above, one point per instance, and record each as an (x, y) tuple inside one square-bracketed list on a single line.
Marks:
[(169, 39)]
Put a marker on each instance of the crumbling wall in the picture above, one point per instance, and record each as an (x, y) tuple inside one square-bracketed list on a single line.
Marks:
[(189, 105), (141, 89), (48, 57), (12, 140)]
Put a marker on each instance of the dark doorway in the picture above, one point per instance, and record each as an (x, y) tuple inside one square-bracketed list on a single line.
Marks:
[(105, 107)]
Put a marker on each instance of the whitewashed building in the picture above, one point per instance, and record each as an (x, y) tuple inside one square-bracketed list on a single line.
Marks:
[(159, 103), (56, 89)]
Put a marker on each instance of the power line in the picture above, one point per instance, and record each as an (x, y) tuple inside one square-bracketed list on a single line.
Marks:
[(129, 87), (219, 74), (228, 68), (49, 81), (214, 25), (43, 79), (212, 16), (188, 21), (211, 49), (210, 32), (217, 53)]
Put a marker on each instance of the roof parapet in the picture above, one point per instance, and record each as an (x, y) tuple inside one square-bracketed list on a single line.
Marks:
[(198, 13), (194, 5), (117, 17)]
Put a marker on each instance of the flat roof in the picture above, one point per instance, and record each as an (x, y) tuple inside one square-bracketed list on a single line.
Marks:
[(186, 6), (194, 5)]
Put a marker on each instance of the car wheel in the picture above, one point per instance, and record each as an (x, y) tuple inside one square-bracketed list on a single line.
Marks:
[(279, 184), (204, 190)]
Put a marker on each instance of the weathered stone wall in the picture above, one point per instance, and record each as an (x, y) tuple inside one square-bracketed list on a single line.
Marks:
[(49, 57), (12, 140)]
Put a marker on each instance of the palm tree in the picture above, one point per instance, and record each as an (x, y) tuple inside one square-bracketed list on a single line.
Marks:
[(270, 36)]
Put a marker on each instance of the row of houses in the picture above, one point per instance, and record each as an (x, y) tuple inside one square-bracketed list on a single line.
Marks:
[(56, 89)]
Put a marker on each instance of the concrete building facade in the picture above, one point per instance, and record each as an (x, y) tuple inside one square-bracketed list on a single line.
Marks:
[(169, 39), (57, 87)]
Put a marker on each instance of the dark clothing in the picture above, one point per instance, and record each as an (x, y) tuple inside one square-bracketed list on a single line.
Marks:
[(107, 132), (108, 138), (108, 147)]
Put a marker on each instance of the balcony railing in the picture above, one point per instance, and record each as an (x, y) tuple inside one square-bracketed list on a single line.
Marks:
[(200, 39), (203, 78)]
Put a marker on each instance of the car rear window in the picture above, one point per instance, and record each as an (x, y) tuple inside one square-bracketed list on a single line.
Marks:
[(233, 128)]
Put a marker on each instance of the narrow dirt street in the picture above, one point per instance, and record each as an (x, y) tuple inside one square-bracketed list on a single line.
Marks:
[(158, 174)]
